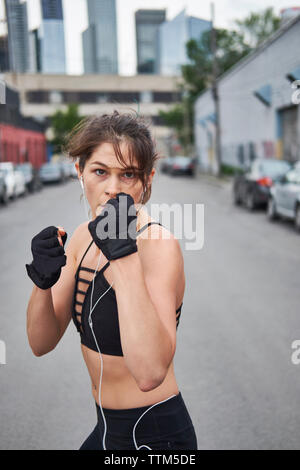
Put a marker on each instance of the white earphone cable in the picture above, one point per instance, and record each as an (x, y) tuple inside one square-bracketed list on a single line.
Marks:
[(91, 326)]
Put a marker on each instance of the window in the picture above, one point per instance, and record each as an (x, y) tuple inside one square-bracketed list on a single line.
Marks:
[(39, 96), (166, 97)]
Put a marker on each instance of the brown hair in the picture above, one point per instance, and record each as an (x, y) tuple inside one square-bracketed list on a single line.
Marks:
[(115, 128)]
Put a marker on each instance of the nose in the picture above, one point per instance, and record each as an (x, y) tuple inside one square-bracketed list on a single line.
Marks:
[(113, 186)]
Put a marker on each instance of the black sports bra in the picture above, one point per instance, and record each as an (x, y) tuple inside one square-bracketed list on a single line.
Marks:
[(105, 314)]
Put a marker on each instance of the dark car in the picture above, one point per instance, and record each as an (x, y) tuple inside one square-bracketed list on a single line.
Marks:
[(251, 187), (3, 189), (181, 165), (31, 175)]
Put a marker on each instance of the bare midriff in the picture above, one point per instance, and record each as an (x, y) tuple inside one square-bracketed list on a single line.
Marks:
[(119, 389)]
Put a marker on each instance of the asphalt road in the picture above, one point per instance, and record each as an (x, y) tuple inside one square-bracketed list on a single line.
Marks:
[(239, 318)]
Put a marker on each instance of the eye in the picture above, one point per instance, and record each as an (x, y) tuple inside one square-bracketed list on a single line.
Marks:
[(98, 169), (129, 173)]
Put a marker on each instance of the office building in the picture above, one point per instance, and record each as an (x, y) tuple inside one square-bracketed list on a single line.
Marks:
[(146, 24), (173, 36), (17, 27), (99, 40), (52, 56)]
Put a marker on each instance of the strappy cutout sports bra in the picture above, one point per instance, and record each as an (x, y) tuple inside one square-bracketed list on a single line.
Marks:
[(105, 314)]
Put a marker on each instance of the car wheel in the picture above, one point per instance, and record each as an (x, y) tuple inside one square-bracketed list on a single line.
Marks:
[(250, 204), (4, 198), (297, 218), (271, 209)]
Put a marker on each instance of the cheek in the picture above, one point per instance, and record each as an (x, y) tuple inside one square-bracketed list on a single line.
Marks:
[(92, 188)]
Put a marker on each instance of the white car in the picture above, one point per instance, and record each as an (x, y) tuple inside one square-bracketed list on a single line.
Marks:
[(52, 172), (14, 180), (73, 170)]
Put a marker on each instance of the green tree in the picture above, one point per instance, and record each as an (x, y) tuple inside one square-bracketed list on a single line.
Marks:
[(62, 122), (257, 27)]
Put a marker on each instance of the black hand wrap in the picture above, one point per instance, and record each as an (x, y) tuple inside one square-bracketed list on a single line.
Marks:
[(48, 258), (119, 216)]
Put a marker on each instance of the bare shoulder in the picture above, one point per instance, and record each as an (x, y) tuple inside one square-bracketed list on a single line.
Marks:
[(158, 247), (77, 239)]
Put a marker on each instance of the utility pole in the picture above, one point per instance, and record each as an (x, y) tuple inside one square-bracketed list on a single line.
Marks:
[(186, 122), (215, 91)]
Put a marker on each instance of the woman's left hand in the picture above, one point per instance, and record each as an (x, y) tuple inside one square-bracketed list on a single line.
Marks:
[(120, 217)]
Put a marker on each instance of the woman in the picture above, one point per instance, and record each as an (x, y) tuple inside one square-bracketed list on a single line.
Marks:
[(123, 293)]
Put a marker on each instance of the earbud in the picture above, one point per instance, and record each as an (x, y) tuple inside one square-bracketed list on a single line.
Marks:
[(84, 197), (143, 194), (81, 182)]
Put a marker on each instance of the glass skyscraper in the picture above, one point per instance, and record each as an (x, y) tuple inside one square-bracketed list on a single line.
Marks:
[(52, 38), (100, 48), (18, 42), (146, 25), (173, 36)]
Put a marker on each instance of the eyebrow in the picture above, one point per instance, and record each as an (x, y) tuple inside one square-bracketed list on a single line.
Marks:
[(123, 168)]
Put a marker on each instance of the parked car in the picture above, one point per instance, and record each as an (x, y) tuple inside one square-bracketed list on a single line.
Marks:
[(3, 189), (14, 180), (31, 175), (51, 172), (165, 164), (251, 187), (65, 169), (284, 197), (181, 165), (297, 165)]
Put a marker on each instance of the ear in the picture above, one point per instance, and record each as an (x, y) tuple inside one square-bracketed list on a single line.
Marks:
[(149, 182), (77, 169)]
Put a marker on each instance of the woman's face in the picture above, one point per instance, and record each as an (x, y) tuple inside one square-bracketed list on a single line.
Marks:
[(104, 177)]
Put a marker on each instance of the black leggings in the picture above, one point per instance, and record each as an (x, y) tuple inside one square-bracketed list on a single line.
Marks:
[(165, 426)]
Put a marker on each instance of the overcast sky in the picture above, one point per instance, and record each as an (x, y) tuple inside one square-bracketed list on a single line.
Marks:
[(75, 16)]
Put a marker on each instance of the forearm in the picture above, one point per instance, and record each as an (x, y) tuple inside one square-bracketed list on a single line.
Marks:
[(145, 341), (42, 326)]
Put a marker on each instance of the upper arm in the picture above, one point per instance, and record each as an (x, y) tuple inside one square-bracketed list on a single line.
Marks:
[(163, 266), (63, 289)]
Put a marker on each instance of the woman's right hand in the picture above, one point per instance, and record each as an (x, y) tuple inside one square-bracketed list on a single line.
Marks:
[(48, 256)]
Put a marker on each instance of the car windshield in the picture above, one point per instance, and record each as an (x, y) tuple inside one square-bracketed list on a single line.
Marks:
[(274, 168)]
